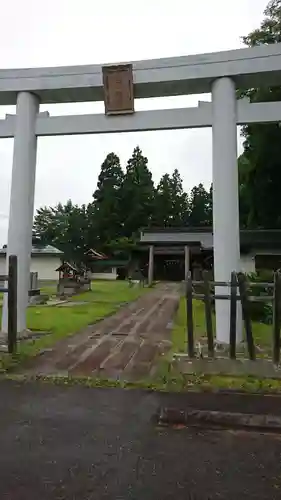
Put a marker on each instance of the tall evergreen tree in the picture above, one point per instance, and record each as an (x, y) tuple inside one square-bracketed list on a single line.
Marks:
[(171, 202), (200, 205), (260, 164), (107, 200), (122, 205), (137, 195), (180, 200), (163, 209)]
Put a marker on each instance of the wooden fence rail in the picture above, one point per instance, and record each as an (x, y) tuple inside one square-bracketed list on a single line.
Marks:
[(12, 280), (239, 290)]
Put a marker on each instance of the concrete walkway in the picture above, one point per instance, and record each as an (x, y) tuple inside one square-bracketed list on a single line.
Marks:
[(126, 345)]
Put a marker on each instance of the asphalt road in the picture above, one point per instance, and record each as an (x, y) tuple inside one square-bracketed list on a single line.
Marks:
[(61, 442)]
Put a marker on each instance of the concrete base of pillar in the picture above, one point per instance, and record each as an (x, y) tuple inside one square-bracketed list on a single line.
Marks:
[(223, 322)]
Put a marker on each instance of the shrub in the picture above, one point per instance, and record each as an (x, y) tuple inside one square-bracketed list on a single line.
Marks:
[(261, 311)]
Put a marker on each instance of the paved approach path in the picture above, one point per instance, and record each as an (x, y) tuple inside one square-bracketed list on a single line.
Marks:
[(125, 345), (75, 443)]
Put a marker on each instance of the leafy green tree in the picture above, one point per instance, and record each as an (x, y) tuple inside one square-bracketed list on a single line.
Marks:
[(122, 247), (107, 200), (137, 195), (65, 227), (260, 164), (270, 28)]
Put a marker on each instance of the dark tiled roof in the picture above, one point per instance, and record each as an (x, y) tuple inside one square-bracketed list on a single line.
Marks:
[(254, 238), (95, 255), (66, 266), (182, 229)]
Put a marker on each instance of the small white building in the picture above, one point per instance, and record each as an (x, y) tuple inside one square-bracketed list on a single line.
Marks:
[(108, 269), (44, 260)]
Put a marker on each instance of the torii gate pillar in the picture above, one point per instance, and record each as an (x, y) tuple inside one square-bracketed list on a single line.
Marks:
[(225, 200), (22, 201)]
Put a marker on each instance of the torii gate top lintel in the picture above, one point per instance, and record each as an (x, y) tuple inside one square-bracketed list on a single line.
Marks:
[(193, 74)]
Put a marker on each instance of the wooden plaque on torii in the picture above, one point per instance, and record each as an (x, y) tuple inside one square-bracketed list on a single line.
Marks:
[(118, 89)]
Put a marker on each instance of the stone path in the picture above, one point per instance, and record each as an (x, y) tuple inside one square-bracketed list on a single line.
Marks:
[(125, 345)]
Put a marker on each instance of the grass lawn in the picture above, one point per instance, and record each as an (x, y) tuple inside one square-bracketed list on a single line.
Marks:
[(104, 299), (102, 291), (167, 376), (48, 287), (262, 332), (108, 292)]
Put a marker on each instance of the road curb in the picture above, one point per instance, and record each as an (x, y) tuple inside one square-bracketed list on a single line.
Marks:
[(219, 419)]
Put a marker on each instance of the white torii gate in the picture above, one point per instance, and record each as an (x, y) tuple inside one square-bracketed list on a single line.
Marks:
[(216, 73)]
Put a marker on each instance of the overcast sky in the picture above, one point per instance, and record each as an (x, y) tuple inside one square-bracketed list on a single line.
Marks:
[(72, 32)]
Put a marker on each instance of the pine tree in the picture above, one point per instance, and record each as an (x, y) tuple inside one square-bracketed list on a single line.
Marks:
[(200, 207), (171, 202), (179, 200), (107, 200), (260, 164), (137, 195)]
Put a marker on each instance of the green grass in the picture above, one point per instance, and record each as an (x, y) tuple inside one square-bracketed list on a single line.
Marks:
[(179, 331), (170, 382), (48, 287), (102, 291), (262, 333), (170, 378), (103, 300), (109, 292)]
